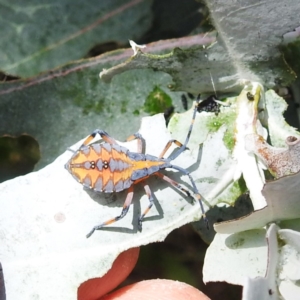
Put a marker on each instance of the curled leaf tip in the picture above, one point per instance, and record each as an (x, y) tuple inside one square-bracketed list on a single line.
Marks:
[(135, 47), (279, 161)]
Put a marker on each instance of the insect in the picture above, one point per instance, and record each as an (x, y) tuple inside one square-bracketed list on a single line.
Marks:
[(108, 167), (210, 104)]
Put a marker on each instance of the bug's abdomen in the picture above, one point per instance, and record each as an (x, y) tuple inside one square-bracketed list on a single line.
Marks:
[(102, 167)]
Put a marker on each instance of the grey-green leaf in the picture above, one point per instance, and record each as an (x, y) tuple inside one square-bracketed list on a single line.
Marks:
[(40, 36)]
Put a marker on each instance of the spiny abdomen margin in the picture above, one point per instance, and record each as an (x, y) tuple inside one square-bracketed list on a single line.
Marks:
[(102, 167)]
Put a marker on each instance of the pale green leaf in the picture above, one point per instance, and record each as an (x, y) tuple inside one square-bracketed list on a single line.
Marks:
[(46, 215)]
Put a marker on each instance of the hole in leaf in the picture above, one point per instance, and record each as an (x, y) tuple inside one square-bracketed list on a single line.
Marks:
[(18, 155)]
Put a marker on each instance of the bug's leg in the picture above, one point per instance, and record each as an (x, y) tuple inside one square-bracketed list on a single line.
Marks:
[(174, 183), (168, 146), (184, 146), (141, 141), (195, 190), (104, 135), (115, 219), (150, 197)]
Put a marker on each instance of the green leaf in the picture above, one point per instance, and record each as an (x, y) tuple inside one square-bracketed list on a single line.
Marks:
[(246, 48), (45, 215), (250, 35), (40, 36)]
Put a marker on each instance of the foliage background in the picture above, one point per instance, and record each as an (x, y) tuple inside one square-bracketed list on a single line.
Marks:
[(51, 96)]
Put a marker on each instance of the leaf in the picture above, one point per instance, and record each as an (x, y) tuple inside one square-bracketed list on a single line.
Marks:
[(282, 196), (250, 35), (208, 67), (46, 219), (231, 258), (223, 156), (220, 64), (270, 270), (278, 128), (265, 287), (282, 205), (188, 68), (290, 48), (285, 162), (49, 213), (289, 263), (66, 31), (57, 206), (279, 161), (247, 122)]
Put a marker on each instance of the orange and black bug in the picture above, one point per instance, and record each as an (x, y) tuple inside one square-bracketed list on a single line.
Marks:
[(108, 167)]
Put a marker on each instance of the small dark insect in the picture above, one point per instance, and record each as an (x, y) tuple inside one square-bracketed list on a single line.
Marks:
[(250, 96), (209, 105), (108, 167)]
